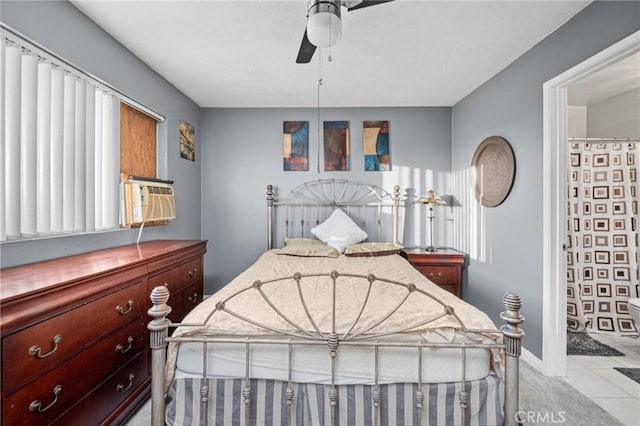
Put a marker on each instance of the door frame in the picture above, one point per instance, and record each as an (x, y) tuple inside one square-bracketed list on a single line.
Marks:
[(555, 122)]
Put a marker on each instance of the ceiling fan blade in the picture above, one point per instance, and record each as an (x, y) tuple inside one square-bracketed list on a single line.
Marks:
[(367, 3), (307, 49)]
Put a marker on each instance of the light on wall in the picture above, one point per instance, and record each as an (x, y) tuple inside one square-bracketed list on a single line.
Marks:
[(431, 199), (324, 26)]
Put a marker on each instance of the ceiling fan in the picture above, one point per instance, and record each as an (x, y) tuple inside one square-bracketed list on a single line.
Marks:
[(324, 25)]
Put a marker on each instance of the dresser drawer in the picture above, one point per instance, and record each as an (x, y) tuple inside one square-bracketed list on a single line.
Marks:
[(62, 387), (179, 277), (184, 301), (34, 350), (439, 274), (109, 395)]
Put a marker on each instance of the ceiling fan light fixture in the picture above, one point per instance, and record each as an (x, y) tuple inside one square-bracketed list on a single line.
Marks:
[(324, 26)]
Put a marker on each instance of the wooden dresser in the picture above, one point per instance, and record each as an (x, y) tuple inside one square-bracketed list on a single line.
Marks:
[(74, 337), (443, 267)]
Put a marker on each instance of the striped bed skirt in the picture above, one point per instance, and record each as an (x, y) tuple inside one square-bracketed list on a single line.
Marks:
[(310, 406)]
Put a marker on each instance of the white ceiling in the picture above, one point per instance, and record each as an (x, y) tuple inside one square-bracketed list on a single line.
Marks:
[(403, 53), (611, 81)]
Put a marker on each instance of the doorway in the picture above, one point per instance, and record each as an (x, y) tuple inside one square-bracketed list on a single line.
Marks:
[(555, 133)]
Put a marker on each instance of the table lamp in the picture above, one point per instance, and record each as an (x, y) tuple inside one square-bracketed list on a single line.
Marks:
[(431, 199)]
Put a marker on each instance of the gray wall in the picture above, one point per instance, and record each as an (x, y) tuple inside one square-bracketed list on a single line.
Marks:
[(617, 117), (510, 105), (242, 153), (60, 27)]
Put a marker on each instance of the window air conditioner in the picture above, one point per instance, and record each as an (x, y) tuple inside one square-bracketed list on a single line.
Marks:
[(148, 201)]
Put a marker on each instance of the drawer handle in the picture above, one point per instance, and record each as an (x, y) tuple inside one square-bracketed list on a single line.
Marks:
[(166, 285), (35, 350), (123, 388), (194, 298), (122, 311), (120, 348), (438, 275), (37, 405), (192, 272)]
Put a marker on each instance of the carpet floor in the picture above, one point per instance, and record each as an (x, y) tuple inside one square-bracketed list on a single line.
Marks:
[(583, 344), (551, 400)]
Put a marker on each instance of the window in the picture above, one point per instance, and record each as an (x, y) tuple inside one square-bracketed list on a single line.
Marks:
[(60, 131)]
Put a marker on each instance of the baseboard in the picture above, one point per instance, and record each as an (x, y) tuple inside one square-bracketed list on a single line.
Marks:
[(531, 359)]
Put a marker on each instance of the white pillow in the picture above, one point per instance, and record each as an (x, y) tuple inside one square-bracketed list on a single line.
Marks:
[(339, 231)]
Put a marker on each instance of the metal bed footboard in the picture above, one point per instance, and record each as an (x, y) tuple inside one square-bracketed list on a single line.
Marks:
[(333, 339)]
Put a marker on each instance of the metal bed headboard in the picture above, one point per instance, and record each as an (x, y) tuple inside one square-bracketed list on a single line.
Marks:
[(308, 204)]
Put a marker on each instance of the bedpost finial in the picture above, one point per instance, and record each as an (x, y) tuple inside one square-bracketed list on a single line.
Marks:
[(511, 330), (159, 295), (270, 195), (512, 302), (158, 312), (513, 318)]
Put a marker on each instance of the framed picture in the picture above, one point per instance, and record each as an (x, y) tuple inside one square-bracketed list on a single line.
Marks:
[(187, 141), (336, 146), (295, 146), (375, 140)]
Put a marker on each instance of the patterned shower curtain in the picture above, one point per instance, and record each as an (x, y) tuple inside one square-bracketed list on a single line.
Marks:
[(602, 243)]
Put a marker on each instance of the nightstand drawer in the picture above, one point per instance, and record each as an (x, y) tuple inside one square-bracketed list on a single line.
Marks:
[(440, 274), (442, 267), (451, 288)]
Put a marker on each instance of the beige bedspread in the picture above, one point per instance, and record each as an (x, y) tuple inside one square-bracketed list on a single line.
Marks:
[(318, 295)]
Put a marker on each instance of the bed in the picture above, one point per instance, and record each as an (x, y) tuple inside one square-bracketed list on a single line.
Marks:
[(334, 328)]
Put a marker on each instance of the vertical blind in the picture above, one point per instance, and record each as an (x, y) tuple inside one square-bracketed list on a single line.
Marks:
[(60, 146)]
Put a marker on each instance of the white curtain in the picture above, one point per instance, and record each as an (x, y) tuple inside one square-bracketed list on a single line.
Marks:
[(60, 142), (602, 255), (12, 66), (3, 59)]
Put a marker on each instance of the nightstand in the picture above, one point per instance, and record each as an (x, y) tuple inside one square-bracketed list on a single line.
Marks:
[(443, 267)]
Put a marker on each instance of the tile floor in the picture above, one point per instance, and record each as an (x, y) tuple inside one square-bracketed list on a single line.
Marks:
[(595, 378)]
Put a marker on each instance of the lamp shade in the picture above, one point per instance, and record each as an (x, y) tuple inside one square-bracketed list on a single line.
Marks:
[(324, 26), (431, 198)]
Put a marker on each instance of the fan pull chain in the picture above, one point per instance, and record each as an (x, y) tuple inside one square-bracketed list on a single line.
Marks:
[(329, 58), (318, 110)]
